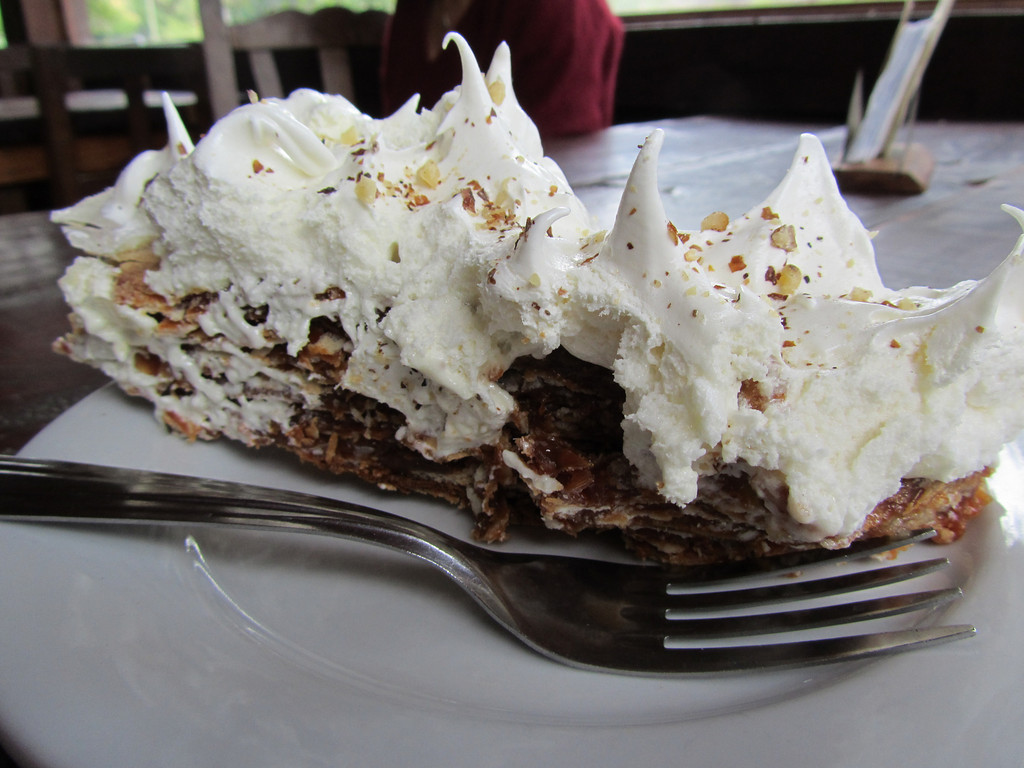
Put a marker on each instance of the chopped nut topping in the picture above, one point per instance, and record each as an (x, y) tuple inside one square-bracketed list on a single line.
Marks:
[(349, 137), (785, 238), (717, 221), (859, 294), (789, 280), (505, 198), (429, 174), (737, 264), (497, 91), (673, 233), (366, 190)]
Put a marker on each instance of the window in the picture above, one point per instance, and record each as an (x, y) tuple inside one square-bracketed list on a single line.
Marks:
[(113, 22), (646, 7), (137, 22)]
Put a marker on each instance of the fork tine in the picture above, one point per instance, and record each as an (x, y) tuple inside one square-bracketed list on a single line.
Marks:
[(643, 578), (800, 560), (798, 590), (655, 656), (827, 650), (787, 621)]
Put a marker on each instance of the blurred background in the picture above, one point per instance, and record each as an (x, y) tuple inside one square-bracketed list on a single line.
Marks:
[(794, 60)]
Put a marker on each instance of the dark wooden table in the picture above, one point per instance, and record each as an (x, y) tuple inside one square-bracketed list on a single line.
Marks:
[(955, 230), (36, 385)]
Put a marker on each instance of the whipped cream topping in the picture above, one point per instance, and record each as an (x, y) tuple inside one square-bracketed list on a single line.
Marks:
[(769, 341), (446, 245)]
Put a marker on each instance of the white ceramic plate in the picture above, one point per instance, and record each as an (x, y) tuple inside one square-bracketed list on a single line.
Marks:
[(166, 646)]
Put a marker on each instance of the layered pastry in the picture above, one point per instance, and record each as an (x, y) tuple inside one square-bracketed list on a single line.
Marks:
[(423, 302)]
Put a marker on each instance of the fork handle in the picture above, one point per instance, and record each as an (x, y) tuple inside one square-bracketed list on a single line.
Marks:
[(65, 492)]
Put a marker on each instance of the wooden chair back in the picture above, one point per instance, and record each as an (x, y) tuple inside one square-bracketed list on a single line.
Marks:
[(22, 150), (15, 70), (84, 159), (332, 32)]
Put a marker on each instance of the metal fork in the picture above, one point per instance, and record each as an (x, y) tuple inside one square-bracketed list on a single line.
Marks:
[(586, 613)]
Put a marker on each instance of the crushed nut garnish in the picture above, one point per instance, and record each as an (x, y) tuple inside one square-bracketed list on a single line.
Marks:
[(789, 280), (497, 91), (429, 174), (366, 190), (717, 221), (859, 294), (785, 238), (673, 233)]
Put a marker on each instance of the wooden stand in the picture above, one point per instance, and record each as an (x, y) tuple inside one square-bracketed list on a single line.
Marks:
[(906, 170)]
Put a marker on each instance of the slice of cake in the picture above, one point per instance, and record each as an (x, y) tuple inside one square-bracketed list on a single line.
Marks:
[(423, 302)]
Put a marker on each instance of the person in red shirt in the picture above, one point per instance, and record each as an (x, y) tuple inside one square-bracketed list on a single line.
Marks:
[(565, 56)]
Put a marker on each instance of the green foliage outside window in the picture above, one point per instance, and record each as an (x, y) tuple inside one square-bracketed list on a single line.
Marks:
[(114, 22), (125, 22)]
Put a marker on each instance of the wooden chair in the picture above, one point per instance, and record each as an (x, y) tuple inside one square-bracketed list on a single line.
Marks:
[(331, 32), (89, 135), (22, 149)]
